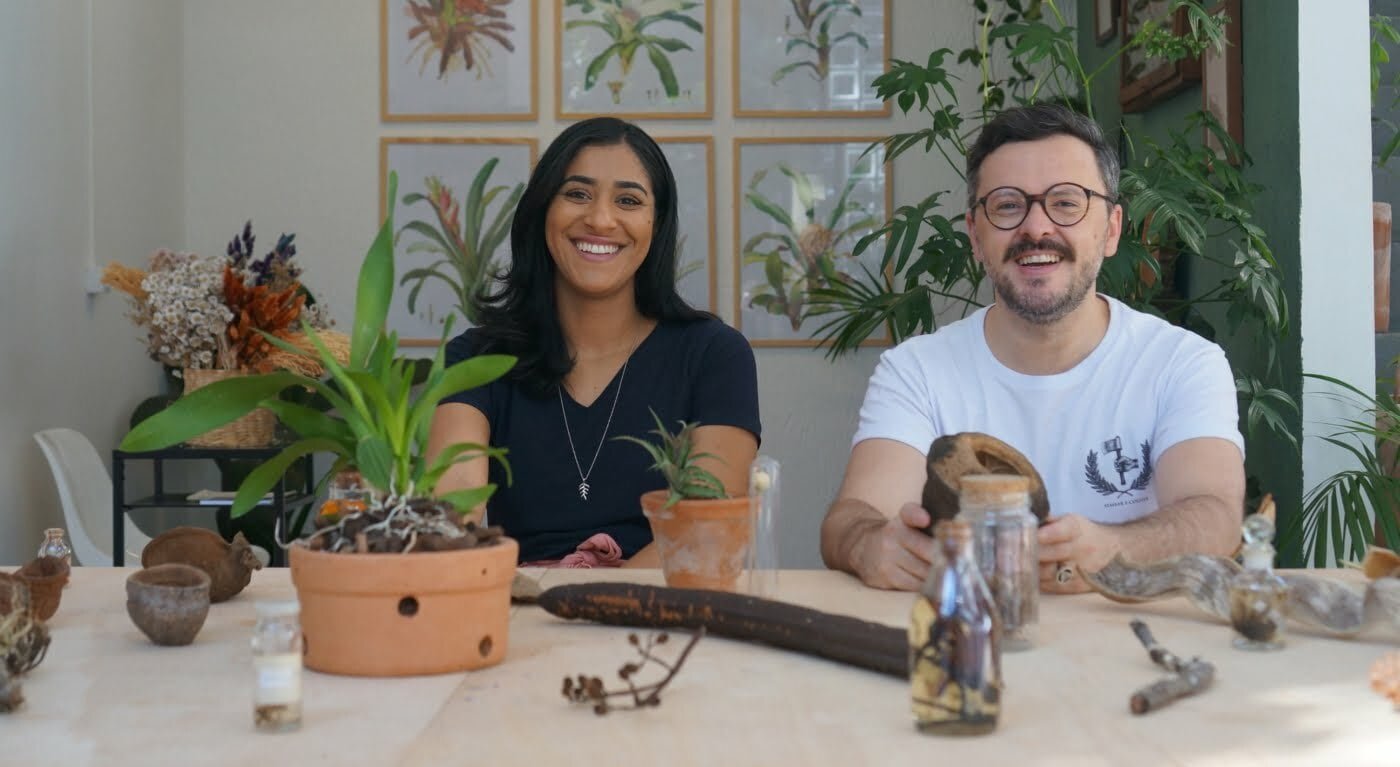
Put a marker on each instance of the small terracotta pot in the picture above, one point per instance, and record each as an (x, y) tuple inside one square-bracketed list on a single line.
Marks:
[(703, 543), (168, 602), (429, 612), (46, 577)]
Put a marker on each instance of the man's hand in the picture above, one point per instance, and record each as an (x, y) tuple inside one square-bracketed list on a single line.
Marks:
[(896, 554), (1075, 542)]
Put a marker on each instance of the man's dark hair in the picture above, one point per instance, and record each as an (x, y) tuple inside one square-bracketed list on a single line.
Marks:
[(520, 317), (1038, 121)]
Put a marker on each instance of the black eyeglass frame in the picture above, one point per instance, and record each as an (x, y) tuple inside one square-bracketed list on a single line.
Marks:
[(1031, 199)]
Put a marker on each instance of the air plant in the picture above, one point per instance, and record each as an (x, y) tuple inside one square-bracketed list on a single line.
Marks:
[(447, 29), (812, 34), (463, 243), (804, 255), (625, 24)]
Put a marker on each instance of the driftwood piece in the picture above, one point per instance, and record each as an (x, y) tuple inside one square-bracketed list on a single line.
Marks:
[(1187, 677), (1314, 602)]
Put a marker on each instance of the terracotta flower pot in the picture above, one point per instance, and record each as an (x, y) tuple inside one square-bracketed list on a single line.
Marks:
[(703, 543), (430, 612)]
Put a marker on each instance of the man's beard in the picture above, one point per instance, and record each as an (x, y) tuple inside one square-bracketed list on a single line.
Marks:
[(1049, 309)]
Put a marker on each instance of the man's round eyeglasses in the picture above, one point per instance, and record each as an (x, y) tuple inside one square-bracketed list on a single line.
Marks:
[(1065, 203)]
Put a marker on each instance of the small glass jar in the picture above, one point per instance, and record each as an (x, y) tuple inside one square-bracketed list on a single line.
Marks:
[(998, 507), (277, 650), (55, 545), (1257, 594)]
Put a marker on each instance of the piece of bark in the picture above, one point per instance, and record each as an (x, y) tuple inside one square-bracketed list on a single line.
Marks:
[(1188, 676)]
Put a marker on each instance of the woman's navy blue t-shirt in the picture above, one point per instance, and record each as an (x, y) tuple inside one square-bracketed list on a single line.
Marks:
[(701, 371)]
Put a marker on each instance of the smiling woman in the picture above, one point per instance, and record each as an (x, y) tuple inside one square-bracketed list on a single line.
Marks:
[(589, 306)]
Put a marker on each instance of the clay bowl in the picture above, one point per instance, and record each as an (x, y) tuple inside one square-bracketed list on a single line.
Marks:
[(46, 577), (168, 602)]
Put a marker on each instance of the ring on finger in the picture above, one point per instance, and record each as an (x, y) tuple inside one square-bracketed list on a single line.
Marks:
[(1064, 573)]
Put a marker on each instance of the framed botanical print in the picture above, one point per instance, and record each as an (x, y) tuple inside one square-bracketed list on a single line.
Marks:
[(634, 58), (809, 58), (692, 162), (801, 205), (1105, 20), (441, 60), (456, 199), (1145, 79), (1222, 83)]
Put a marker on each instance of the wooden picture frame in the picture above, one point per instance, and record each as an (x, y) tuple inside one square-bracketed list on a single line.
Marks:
[(779, 70), (672, 78), (422, 240), (1106, 14), (692, 161), (783, 187), (418, 83), (1145, 81), (1222, 82)]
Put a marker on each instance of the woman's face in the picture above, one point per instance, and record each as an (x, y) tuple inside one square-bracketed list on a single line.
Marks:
[(598, 227)]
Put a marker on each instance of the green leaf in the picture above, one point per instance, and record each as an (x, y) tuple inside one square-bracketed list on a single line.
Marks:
[(664, 70), (464, 501), (595, 67), (375, 461), (376, 285), (206, 408), (262, 479)]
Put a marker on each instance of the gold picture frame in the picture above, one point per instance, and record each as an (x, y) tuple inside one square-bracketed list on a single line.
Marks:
[(695, 204), (454, 164), (582, 61), (801, 72), (831, 170), (504, 88)]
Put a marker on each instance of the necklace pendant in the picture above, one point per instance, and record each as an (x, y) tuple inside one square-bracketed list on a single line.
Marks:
[(583, 490)]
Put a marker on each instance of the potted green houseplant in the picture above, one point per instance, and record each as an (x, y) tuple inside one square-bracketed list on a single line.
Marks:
[(702, 534), (402, 583)]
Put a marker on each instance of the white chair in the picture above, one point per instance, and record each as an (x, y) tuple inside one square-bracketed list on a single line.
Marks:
[(85, 489)]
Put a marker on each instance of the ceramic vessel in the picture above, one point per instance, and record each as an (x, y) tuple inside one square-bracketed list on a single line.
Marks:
[(703, 543), (46, 577), (229, 565), (430, 612), (168, 602)]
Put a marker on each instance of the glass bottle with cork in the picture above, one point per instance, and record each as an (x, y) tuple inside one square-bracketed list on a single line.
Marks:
[(277, 650), (1257, 594), (954, 642), (998, 507), (55, 545)]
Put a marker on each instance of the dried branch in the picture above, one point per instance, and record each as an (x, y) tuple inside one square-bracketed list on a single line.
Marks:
[(1188, 677), (590, 689)]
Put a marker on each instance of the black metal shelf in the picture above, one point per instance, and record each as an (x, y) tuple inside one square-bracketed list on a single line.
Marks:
[(178, 500)]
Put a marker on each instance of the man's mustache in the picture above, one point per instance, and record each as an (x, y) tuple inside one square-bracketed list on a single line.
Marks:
[(1026, 246)]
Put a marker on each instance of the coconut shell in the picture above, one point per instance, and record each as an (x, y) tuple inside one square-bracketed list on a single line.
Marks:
[(46, 577), (952, 456), (229, 565)]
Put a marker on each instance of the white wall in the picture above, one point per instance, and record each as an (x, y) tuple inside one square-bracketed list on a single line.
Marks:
[(1334, 134), (90, 170), (281, 124)]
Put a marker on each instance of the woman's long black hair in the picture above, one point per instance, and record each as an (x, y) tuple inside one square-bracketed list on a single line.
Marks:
[(520, 318)]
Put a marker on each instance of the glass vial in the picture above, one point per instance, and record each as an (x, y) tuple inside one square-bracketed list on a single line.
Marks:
[(954, 642), (277, 649), (55, 545), (998, 507), (1257, 594), (764, 484)]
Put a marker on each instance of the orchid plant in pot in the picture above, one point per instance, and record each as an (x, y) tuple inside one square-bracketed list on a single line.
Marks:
[(382, 581)]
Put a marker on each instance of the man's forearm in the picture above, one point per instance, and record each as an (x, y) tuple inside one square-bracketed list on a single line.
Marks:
[(846, 526), (1199, 524)]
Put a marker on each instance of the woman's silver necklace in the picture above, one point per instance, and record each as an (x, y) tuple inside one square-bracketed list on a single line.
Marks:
[(583, 476)]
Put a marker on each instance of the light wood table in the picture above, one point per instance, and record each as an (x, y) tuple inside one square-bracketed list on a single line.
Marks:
[(107, 696)]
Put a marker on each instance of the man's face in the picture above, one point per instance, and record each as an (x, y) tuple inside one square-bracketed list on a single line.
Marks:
[(1042, 271)]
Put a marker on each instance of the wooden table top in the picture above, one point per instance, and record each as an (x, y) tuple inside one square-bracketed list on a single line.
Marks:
[(105, 695)]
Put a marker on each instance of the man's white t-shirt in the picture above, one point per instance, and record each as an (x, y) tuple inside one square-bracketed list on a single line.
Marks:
[(1093, 432)]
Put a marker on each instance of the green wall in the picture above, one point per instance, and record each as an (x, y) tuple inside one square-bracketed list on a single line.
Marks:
[(1270, 58)]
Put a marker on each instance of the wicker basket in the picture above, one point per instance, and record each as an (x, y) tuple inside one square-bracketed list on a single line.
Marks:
[(255, 429)]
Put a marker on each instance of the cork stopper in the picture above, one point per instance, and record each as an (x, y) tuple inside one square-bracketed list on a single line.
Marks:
[(981, 491)]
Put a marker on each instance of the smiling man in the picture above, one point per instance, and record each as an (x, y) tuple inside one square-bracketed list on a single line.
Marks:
[(1131, 422)]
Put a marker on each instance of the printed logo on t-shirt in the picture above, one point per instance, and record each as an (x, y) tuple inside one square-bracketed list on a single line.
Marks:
[(1132, 474)]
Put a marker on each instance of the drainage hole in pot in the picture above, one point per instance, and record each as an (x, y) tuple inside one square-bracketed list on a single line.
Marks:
[(484, 647), (483, 571), (408, 606)]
